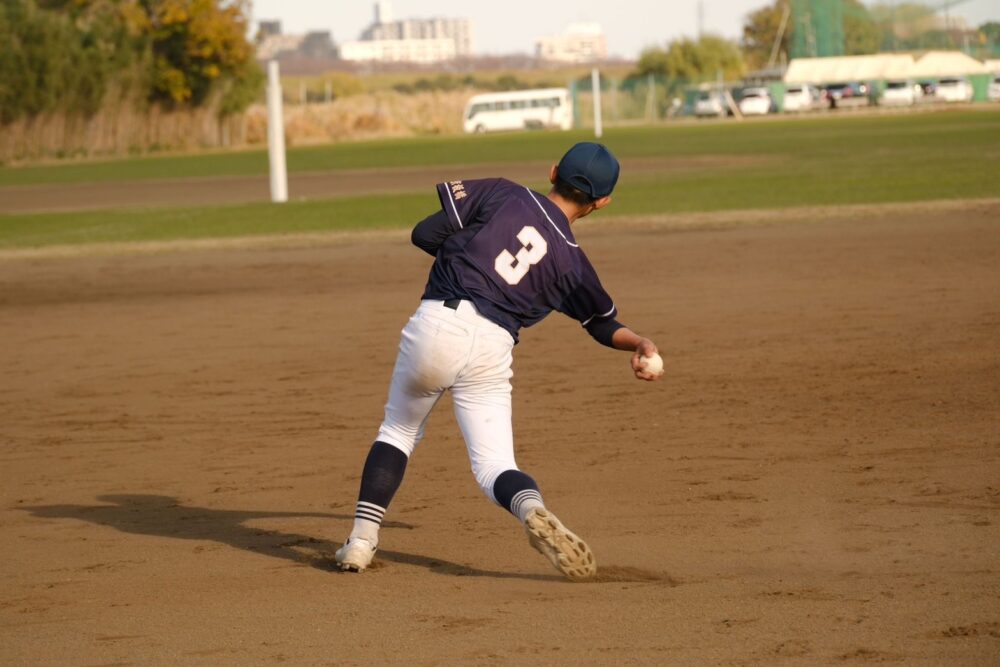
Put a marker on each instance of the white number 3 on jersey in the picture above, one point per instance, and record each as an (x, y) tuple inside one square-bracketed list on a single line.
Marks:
[(513, 268)]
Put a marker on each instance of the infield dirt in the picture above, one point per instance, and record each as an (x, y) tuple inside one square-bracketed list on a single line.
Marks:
[(815, 481)]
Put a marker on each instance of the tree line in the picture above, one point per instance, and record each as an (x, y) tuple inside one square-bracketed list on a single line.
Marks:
[(70, 56), (73, 56), (768, 36)]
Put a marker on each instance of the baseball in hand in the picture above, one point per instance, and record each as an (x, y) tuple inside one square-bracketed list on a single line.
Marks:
[(652, 364)]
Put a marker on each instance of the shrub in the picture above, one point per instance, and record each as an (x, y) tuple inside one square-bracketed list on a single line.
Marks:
[(65, 55)]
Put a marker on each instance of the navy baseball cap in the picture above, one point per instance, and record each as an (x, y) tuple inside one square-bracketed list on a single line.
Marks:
[(590, 168)]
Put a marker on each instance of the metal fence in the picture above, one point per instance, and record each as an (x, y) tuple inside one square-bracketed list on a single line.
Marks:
[(632, 100), (653, 98)]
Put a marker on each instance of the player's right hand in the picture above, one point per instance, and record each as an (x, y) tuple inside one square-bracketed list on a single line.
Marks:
[(646, 348)]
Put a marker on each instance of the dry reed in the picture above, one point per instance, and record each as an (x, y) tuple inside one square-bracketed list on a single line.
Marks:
[(121, 128)]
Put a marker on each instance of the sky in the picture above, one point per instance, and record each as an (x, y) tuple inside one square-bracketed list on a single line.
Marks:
[(512, 26)]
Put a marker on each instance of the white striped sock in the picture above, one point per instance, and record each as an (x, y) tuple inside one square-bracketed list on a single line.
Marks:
[(369, 511), (367, 521), (525, 501)]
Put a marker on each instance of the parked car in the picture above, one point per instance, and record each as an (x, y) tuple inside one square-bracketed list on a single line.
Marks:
[(954, 90), (993, 92), (709, 103), (900, 93), (837, 95), (755, 102), (800, 98)]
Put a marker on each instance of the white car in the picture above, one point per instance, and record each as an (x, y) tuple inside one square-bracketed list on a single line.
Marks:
[(755, 102), (709, 103), (799, 98), (899, 93), (954, 90), (993, 93)]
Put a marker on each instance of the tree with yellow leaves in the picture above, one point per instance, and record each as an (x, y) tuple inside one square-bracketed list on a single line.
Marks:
[(197, 45), (64, 55)]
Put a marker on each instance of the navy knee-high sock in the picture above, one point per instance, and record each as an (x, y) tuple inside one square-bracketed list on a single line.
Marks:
[(517, 493), (381, 477)]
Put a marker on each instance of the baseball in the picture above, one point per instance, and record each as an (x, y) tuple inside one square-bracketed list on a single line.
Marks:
[(653, 364)]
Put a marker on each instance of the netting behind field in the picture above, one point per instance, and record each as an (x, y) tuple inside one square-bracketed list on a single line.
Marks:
[(642, 99)]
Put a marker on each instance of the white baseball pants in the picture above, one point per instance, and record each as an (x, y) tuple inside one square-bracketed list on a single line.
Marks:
[(462, 351)]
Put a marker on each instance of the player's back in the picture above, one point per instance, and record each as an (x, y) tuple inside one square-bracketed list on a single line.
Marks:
[(513, 253)]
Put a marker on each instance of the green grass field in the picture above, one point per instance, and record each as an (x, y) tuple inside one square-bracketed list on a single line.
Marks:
[(794, 162)]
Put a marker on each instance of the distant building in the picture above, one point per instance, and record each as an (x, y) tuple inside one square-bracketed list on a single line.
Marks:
[(457, 30), (410, 40), (266, 29), (423, 51), (317, 45), (579, 43)]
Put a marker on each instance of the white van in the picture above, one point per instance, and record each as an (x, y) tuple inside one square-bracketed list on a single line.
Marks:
[(519, 110)]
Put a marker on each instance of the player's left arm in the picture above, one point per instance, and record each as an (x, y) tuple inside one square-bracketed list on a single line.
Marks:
[(463, 204), (431, 232)]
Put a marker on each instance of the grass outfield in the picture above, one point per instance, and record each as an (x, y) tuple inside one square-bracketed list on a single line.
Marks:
[(822, 161), (37, 230), (842, 139)]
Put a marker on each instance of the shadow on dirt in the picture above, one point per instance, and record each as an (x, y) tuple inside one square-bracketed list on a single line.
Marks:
[(165, 516)]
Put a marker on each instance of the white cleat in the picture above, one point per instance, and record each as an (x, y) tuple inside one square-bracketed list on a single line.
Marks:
[(568, 553), (356, 555)]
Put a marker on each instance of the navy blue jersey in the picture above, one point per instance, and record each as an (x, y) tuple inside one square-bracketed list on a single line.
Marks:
[(511, 252)]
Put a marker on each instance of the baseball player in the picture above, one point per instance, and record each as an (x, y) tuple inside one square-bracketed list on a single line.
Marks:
[(505, 257)]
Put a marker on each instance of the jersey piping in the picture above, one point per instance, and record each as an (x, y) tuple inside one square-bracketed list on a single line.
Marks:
[(451, 200), (596, 315), (554, 225)]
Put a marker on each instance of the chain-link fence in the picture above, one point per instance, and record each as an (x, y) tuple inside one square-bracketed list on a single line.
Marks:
[(633, 100)]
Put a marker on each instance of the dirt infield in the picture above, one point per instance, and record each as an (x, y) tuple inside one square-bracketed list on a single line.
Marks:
[(815, 482)]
